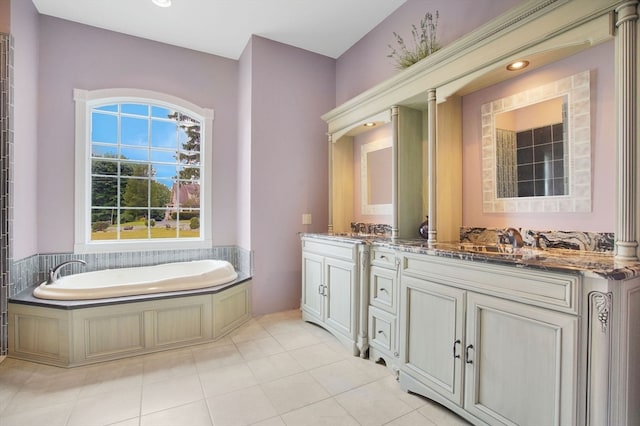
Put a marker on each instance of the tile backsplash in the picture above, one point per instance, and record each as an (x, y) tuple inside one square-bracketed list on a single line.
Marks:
[(602, 242)]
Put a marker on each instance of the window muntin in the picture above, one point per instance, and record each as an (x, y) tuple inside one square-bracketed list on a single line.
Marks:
[(146, 167), (145, 172)]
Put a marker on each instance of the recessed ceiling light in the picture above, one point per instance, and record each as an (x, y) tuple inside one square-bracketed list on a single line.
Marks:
[(162, 3), (369, 124), (517, 65)]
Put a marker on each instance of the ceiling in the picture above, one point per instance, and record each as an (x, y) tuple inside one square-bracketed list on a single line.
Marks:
[(223, 27)]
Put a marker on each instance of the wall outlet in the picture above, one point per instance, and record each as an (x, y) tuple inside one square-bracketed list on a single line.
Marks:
[(306, 218)]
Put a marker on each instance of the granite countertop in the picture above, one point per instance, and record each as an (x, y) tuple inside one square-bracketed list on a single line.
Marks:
[(588, 263)]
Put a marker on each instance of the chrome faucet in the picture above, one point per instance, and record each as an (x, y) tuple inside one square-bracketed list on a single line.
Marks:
[(54, 273)]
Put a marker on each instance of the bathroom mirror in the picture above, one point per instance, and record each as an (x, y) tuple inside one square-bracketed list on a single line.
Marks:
[(376, 177), (536, 149)]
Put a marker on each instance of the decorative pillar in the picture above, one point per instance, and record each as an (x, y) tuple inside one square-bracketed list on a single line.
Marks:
[(626, 90), (431, 165), (394, 173), (330, 179)]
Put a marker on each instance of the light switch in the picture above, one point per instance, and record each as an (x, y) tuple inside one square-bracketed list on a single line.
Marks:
[(306, 218)]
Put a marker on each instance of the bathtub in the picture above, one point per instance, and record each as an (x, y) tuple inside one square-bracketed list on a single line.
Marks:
[(168, 277)]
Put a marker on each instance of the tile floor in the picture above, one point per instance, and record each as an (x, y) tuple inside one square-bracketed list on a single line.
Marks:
[(274, 370)]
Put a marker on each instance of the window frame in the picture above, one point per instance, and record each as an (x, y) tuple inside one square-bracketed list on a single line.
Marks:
[(85, 100)]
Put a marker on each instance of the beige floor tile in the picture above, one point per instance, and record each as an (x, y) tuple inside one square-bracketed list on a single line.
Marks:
[(373, 405), (111, 377), (259, 348), (134, 421), (440, 415), (224, 380), (297, 339), (244, 407), (106, 408), (192, 414), (324, 413), (46, 391), (50, 415), (252, 330), (171, 392), (168, 364), (293, 392), (214, 357), (273, 421), (414, 418), (413, 400), (341, 376), (274, 367), (319, 354)]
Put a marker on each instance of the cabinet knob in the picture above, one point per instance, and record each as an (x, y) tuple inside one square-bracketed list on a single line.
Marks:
[(456, 355), (466, 354)]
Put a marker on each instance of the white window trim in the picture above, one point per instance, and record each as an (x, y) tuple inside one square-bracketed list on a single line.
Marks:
[(84, 100)]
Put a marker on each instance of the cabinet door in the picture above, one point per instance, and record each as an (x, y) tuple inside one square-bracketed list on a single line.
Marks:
[(341, 306), (431, 332), (520, 365), (312, 282)]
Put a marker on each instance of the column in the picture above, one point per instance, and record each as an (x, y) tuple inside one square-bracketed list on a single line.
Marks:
[(626, 75)]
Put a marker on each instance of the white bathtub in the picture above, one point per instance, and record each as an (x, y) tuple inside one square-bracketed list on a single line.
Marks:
[(162, 278)]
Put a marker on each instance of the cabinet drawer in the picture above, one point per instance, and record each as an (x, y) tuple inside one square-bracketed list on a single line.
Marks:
[(383, 289), (382, 327), (553, 290), (384, 258), (344, 251)]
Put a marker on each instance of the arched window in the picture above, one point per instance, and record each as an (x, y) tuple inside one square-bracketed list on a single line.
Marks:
[(143, 171)]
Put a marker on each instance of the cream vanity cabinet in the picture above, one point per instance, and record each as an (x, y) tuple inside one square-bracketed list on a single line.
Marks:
[(496, 344), (384, 294), (332, 295)]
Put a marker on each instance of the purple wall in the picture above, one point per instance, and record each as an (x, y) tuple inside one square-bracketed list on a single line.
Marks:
[(366, 63), (24, 27), (78, 56), (290, 89), (5, 16), (600, 60)]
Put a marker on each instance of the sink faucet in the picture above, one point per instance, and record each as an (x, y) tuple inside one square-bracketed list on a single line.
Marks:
[(514, 237), (54, 273)]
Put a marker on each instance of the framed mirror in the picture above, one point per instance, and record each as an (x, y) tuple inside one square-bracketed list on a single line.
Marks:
[(376, 177), (536, 149)]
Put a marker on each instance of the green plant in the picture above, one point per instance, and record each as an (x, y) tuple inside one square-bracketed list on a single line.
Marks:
[(194, 223), (424, 42)]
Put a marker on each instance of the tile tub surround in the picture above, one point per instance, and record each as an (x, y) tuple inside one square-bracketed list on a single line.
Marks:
[(275, 369), (33, 270)]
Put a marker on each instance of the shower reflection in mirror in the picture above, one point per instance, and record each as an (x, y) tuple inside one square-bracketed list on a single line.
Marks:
[(531, 147)]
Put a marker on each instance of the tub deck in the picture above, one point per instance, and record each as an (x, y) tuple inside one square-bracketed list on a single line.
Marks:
[(68, 333)]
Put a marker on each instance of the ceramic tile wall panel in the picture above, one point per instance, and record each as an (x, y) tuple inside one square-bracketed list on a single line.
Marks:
[(6, 177)]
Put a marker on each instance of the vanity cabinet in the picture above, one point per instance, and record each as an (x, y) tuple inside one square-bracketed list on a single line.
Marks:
[(492, 343), (384, 294), (332, 291)]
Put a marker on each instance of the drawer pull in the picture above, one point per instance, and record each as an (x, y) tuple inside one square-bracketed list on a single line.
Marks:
[(456, 355), (466, 354), (384, 289)]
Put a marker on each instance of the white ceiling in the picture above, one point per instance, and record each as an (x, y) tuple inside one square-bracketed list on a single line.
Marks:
[(223, 27)]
